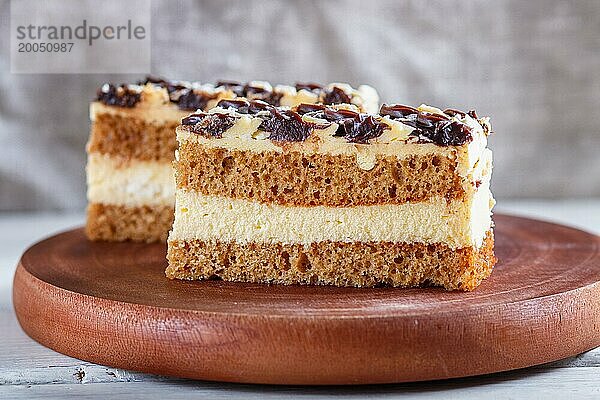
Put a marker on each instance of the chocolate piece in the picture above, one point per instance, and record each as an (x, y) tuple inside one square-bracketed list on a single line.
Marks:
[(209, 125), (448, 133), (336, 95), (429, 127), (175, 89), (235, 87), (244, 106), (484, 122), (333, 115), (286, 126), (452, 112), (194, 100), (153, 79), (353, 126), (397, 111), (171, 86), (252, 92), (240, 105), (120, 96), (257, 106), (323, 112), (182, 94), (283, 125), (274, 99), (362, 128), (311, 87), (259, 93), (255, 92)]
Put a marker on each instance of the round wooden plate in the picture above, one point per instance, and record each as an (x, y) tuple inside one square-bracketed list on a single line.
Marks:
[(111, 304)]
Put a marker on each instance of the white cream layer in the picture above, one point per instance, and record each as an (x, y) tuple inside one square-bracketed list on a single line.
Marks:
[(132, 183), (457, 224)]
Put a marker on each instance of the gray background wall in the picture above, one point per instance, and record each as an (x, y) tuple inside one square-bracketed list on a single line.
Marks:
[(533, 66)]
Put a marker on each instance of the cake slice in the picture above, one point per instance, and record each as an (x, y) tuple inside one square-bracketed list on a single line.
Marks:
[(131, 189), (330, 195)]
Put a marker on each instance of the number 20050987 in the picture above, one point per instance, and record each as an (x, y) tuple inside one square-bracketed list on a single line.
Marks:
[(27, 47)]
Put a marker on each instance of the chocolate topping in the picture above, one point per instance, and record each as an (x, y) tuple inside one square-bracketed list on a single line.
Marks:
[(120, 96), (288, 125), (189, 96), (209, 125), (429, 127), (335, 95), (282, 124)]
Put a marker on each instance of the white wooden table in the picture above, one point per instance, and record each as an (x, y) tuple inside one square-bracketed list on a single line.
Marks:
[(30, 371)]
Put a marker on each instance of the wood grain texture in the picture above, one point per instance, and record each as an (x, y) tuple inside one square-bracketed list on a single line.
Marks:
[(110, 304)]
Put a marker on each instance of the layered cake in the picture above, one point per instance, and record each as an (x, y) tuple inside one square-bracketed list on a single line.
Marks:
[(318, 194), (131, 189)]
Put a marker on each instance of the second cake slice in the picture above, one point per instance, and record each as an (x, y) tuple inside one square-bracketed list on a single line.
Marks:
[(132, 145)]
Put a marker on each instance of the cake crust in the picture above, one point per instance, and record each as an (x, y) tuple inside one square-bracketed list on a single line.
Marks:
[(136, 223), (334, 263)]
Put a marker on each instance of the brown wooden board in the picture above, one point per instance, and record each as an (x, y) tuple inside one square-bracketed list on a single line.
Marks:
[(111, 304)]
